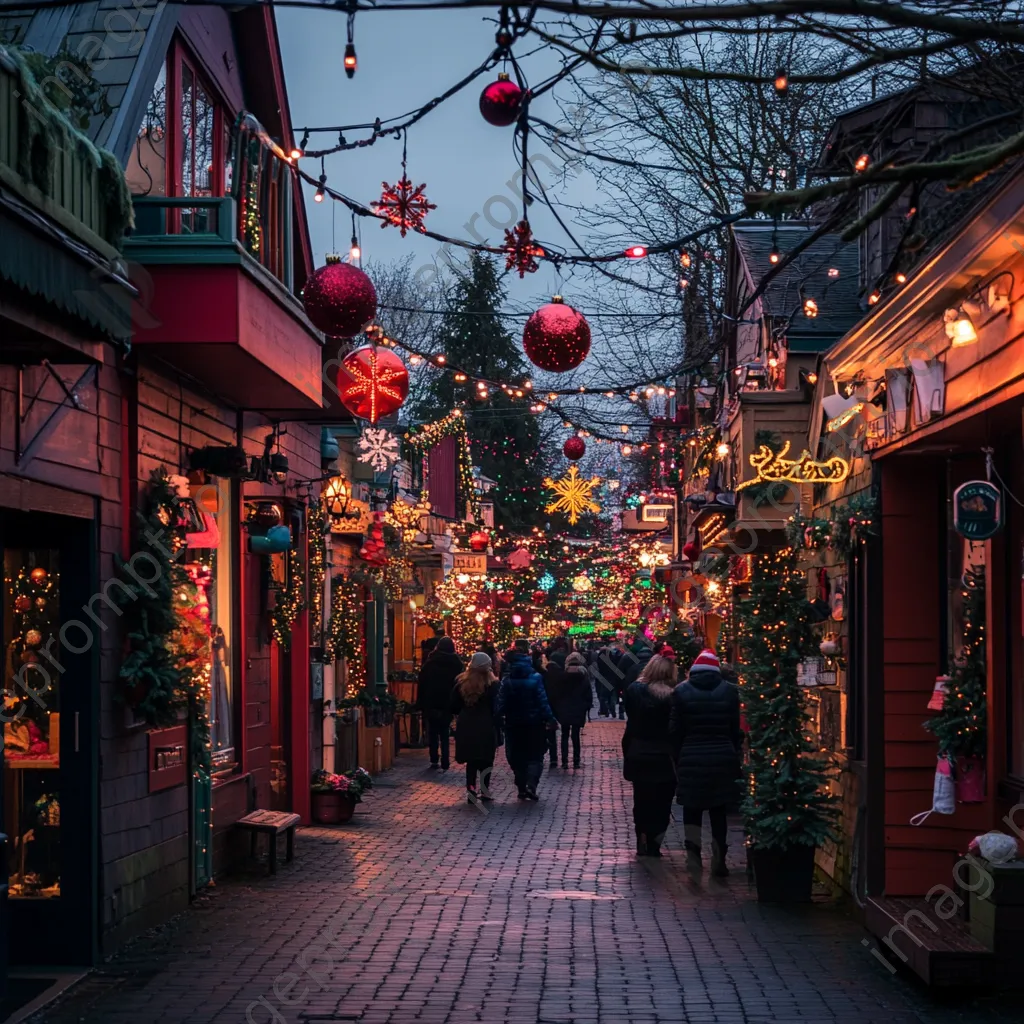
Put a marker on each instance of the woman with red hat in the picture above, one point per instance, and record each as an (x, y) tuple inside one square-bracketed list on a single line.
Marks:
[(705, 730)]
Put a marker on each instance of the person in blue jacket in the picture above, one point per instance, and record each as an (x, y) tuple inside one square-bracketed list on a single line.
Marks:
[(523, 711)]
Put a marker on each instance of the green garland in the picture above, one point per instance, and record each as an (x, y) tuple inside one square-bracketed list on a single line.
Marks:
[(961, 727), (787, 802), (345, 630), (290, 601), (844, 531), (316, 552), (422, 438), (150, 677)]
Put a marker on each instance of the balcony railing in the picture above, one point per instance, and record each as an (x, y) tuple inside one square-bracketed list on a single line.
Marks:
[(54, 167), (206, 229)]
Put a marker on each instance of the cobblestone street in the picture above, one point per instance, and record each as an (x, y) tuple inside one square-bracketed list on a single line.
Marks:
[(427, 909)]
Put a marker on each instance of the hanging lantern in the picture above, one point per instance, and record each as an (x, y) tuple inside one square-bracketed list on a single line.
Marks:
[(339, 299), (501, 101), (373, 382), (574, 448), (556, 337), (479, 540)]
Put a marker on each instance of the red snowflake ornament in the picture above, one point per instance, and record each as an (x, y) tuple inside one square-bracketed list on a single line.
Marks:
[(521, 250), (403, 206)]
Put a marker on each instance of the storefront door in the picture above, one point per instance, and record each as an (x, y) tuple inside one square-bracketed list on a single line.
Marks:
[(49, 769)]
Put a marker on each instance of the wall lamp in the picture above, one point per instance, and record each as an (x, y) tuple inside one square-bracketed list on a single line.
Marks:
[(337, 496), (988, 299)]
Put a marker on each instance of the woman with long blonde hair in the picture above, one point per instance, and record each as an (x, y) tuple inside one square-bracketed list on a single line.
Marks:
[(647, 753), (475, 734)]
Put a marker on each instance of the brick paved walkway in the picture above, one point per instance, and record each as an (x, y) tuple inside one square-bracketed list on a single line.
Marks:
[(425, 909)]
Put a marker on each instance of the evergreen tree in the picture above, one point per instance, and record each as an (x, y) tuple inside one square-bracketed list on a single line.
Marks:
[(504, 435), (787, 802), (960, 726)]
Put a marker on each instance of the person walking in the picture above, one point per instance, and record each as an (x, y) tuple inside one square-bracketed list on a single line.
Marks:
[(633, 662), (647, 753), (433, 698), (571, 705), (472, 702), (553, 674), (523, 712), (704, 727)]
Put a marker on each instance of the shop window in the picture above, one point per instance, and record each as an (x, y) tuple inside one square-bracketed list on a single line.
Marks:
[(31, 775), (147, 166)]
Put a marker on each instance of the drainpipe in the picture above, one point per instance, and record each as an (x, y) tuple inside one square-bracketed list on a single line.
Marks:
[(330, 711)]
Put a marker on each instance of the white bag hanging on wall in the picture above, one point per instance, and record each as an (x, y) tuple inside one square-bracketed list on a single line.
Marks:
[(943, 793)]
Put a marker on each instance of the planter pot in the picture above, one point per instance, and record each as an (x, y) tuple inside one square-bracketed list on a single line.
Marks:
[(783, 875), (332, 808), (970, 780)]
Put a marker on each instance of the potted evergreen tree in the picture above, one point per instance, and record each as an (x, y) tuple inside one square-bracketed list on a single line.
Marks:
[(788, 810)]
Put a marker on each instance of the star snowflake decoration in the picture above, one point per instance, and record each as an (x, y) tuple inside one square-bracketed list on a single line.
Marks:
[(546, 582), (521, 250), (378, 448), (403, 205), (574, 495)]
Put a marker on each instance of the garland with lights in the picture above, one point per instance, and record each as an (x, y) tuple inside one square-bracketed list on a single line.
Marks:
[(961, 727), (787, 802), (848, 527), (345, 631), (422, 438), (316, 552), (290, 600), (252, 231)]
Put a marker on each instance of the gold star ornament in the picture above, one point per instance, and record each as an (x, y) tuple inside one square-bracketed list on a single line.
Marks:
[(574, 495)]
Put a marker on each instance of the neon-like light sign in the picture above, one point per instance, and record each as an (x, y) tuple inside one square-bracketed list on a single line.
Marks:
[(774, 467)]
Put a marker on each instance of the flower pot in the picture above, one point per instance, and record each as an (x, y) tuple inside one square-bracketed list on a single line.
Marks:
[(783, 875), (970, 780), (332, 808)]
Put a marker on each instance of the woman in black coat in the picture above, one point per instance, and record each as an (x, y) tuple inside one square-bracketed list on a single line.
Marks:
[(706, 740), (647, 753), (571, 701), (472, 701)]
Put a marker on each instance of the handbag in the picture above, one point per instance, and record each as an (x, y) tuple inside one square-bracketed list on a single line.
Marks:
[(943, 792)]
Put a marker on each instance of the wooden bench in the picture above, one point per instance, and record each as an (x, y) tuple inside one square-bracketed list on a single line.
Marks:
[(271, 824)]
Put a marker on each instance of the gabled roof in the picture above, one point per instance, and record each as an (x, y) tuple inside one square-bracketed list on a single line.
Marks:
[(805, 276)]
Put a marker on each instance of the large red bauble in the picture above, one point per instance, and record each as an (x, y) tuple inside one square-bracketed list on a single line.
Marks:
[(372, 382), (501, 102), (556, 337), (340, 299), (479, 540), (574, 448)]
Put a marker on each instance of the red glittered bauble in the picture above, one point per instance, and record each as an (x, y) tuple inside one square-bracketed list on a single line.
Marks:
[(539, 597), (690, 551), (556, 337), (501, 102), (479, 540), (574, 448), (372, 382), (340, 299), (22, 603), (505, 598)]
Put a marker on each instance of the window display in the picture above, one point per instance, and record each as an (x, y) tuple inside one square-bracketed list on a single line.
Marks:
[(32, 721)]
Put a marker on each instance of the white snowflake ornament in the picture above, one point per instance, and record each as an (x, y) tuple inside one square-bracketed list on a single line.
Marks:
[(378, 449)]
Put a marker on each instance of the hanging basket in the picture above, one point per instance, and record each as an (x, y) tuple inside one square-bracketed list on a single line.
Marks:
[(970, 780)]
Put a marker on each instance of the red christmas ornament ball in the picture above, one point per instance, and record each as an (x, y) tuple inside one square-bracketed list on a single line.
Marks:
[(539, 597), (501, 101), (505, 598), (479, 540), (556, 337), (38, 576), (574, 448), (372, 382), (339, 299), (690, 551), (22, 603)]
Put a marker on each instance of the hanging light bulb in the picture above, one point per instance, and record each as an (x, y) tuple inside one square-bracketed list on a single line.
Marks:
[(318, 197), (781, 80), (810, 308), (298, 151), (862, 162), (722, 450), (636, 252), (874, 297), (350, 61), (355, 253)]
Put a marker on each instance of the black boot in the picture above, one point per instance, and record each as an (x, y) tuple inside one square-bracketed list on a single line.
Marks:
[(641, 845), (693, 861), (718, 866), (654, 845)]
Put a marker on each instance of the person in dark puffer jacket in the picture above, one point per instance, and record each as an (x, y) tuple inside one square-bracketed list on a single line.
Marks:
[(706, 740), (433, 696), (522, 709)]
